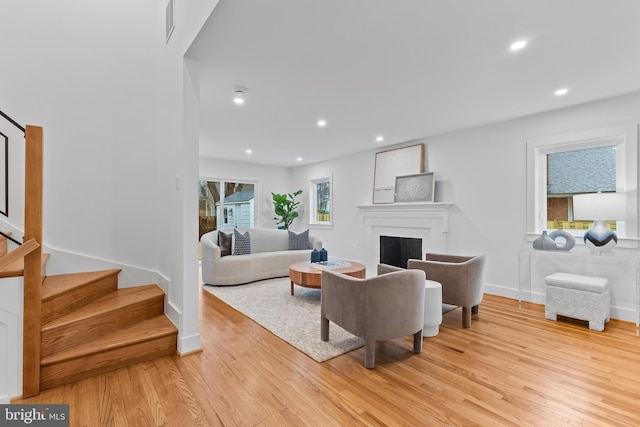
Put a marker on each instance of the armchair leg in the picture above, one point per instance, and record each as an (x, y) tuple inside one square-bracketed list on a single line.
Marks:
[(324, 329), (466, 317), (474, 309), (417, 342), (369, 353)]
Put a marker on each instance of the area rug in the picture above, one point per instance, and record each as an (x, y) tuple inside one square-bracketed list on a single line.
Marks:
[(293, 318)]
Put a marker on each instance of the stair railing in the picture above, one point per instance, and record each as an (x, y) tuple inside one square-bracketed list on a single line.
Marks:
[(18, 253), (32, 251), (8, 237)]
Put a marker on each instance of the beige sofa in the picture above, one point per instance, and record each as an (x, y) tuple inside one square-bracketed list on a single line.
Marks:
[(270, 257)]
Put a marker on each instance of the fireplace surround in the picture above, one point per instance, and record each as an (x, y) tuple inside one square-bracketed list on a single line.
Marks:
[(426, 221)]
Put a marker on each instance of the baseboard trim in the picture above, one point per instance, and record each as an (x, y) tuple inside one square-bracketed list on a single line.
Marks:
[(619, 313), (189, 344), (190, 353)]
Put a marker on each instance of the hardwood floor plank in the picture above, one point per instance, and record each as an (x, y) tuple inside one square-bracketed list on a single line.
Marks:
[(513, 367), (150, 407)]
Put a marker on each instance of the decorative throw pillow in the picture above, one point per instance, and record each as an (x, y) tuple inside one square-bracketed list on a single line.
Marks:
[(242, 244), (224, 241), (298, 241)]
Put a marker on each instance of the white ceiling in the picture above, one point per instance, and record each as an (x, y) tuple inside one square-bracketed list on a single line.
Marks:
[(405, 69)]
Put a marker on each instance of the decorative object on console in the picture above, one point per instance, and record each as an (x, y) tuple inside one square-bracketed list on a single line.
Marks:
[(324, 256), (285, 206), (415, 188), (315, 255), (544, 243), (600, 207), (560, 235), (298, 241)]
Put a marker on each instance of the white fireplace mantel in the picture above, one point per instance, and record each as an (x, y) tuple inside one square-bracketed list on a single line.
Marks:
[(427, 221)]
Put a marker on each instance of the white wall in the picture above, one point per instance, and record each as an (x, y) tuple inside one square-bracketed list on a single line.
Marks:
[(269, 178), (352, 186), (87, 73)]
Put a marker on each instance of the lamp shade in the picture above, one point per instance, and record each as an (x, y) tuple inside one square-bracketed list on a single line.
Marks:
[(600, 207)]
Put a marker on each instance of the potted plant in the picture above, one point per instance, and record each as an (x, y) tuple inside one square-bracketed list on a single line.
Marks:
[(285, 206)]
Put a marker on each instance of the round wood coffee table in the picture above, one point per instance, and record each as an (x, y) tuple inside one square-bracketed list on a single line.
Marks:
[(302, 274)]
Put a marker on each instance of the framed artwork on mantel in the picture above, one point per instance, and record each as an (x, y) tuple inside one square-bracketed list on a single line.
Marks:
[(414, 188), (391, 164)]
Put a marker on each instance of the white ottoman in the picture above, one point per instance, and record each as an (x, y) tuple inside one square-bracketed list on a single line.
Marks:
[(578, 297), (432, 308)]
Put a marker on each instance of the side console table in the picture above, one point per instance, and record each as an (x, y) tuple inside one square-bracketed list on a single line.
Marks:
[(621, 268)]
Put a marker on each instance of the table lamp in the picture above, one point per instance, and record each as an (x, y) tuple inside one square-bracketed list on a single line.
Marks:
[(600, 207)]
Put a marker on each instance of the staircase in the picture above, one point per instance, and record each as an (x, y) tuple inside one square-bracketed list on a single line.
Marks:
[(89, 326), (75, 325)]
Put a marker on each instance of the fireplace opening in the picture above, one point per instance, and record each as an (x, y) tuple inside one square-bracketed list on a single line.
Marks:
[(397, 250)]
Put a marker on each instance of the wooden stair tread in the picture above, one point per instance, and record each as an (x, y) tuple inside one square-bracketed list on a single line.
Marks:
[(16, 268), (146, 330), (120, 298), (61, 283)]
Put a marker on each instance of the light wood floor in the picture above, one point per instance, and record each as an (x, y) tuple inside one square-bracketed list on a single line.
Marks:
[(512, 367)]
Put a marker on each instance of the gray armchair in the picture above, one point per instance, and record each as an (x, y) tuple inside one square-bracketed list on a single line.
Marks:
[(379, 308), (461, 277)]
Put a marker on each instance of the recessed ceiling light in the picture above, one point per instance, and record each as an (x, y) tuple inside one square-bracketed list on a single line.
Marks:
[(379, 138), (518, 45), (239, 94), (299, 159), (322, 123), (561, 92), (248, 151)]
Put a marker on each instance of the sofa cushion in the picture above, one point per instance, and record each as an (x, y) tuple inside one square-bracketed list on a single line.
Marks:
[(224, 241), (298, 241), (268, 239), (242, 243)]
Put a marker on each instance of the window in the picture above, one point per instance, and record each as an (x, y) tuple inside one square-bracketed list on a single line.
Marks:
[(559, 167), (320, 193), (226, 204), (586, 170)]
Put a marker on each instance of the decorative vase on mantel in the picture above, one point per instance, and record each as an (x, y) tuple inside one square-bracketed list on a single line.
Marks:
[(545, 243)]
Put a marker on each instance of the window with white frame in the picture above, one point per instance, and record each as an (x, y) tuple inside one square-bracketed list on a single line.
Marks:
[(320, 194), (227, 204), (574, 172), (561, 166)]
